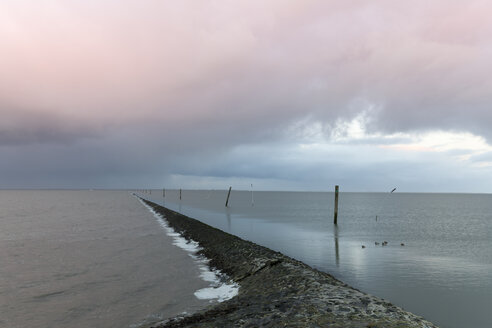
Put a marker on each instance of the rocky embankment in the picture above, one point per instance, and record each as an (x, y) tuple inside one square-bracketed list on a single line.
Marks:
[(278, 291)]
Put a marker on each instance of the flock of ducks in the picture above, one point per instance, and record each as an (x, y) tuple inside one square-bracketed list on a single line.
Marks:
[(384, 243)]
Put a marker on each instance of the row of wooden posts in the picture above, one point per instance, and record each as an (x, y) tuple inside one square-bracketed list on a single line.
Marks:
[(335, 214), (149, 191)]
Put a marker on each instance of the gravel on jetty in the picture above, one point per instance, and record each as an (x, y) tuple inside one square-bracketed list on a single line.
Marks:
[(278, 291)]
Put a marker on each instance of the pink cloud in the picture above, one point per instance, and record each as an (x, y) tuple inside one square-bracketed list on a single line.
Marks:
[(186, 61)]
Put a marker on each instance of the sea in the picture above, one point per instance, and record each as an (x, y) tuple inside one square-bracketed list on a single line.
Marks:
[(81, 258), (436, 262)]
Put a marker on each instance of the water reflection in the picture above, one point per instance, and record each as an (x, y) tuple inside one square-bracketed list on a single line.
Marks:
[(337, 254), (228, 218)]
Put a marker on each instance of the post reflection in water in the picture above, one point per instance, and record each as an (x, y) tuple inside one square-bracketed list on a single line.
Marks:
[(337, 255), (228, 217)]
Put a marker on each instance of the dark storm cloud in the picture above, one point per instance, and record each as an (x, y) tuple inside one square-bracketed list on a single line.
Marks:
[(20, 127)]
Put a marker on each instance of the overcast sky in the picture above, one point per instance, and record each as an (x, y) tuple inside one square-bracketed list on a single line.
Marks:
[(287, 95)]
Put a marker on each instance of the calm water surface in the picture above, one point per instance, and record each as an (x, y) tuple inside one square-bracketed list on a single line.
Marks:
[(443, 273), (88, 259)]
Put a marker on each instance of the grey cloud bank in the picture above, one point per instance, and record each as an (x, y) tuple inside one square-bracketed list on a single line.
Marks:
[(298, 95)]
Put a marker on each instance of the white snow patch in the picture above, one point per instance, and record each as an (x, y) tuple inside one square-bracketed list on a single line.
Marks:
[(221, 293), (220, 289), (206, 274)]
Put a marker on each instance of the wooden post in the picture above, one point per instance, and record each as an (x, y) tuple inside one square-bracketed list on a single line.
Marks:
[(179, 194), (335, 217), (228, 194), (164, 193), (252, 199)]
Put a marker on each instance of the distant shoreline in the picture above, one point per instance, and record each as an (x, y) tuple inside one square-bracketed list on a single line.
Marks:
[(278, 290)]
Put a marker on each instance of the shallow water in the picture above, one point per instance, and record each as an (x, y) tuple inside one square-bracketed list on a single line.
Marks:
[(89, 259), (443, 273)]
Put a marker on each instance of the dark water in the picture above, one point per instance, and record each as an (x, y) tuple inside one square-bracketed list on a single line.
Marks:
[(88, 259), (443, 273)]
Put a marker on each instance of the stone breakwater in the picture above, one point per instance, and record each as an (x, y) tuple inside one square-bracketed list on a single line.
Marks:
[(278, 291)]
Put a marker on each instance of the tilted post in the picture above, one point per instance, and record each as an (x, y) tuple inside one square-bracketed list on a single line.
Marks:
[(228, 194)]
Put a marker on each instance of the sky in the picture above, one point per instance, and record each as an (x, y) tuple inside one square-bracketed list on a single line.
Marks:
[(284, 95)]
